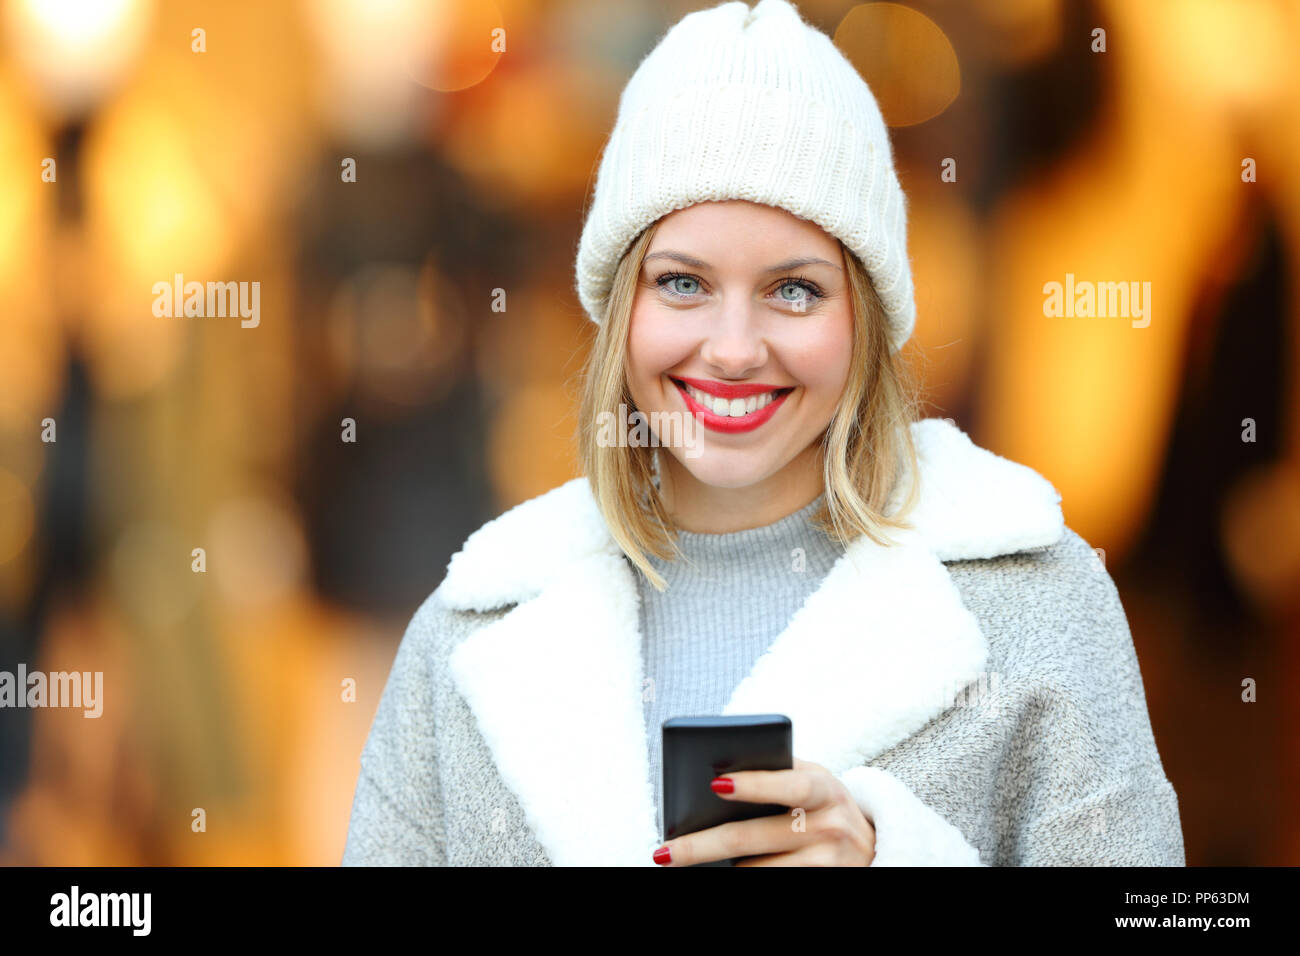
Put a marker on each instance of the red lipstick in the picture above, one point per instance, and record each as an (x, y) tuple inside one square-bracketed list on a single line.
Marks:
[(728, 390), (731, 424)]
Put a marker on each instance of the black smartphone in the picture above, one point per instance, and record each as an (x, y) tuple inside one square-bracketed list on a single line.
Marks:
[(697, 749)]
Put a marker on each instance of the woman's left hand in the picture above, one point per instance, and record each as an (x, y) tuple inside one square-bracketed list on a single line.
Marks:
[(832, 830)]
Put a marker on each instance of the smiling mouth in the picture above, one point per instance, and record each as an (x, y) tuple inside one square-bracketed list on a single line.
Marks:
[(740, 413), (731, 407)]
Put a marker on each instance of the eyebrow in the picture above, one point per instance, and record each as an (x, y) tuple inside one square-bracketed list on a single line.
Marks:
[(786, 266)]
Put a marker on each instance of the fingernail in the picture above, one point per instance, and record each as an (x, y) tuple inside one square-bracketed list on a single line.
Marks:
[(723, 785), (663, 856)]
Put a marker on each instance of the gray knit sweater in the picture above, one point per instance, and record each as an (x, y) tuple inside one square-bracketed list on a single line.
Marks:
[(727, 597)]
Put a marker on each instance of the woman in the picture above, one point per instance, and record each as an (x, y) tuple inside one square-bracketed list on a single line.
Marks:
[(774, 533)]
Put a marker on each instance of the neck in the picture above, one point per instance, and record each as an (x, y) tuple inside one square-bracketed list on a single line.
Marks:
[(710, 509)]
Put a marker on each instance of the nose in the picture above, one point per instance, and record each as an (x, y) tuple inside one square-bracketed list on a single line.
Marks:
[(735, 345)]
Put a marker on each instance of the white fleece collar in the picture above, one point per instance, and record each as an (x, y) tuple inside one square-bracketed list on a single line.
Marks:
[(880, 649)]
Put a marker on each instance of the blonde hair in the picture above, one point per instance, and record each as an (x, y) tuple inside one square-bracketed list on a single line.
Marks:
[(864, 449)]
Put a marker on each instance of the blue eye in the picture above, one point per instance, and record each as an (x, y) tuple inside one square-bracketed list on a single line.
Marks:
[(666, 280), (802, 293), (810, 292)]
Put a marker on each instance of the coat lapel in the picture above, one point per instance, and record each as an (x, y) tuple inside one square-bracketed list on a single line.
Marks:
[(879, 650), (883, 646)]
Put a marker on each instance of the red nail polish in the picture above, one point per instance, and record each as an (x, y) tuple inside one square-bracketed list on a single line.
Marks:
[(723, 785), (663, 855)]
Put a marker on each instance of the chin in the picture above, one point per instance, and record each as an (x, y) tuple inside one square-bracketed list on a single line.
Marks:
[(720, 470)]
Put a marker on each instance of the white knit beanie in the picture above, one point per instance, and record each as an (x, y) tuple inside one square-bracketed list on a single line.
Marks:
[(741, 103)]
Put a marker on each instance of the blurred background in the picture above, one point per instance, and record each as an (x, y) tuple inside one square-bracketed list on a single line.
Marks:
[(387, 170)]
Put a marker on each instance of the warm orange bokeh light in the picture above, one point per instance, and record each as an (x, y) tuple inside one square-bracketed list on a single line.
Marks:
[(905, 58)]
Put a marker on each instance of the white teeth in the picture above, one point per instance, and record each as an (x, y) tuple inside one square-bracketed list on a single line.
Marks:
[(731, 407)]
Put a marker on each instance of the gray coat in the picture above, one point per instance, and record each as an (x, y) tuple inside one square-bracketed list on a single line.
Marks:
[(974, 685)]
